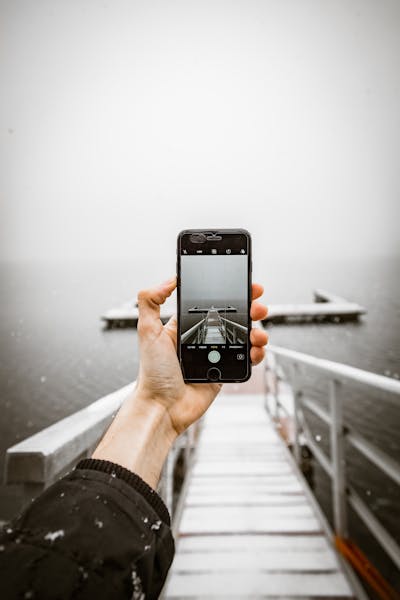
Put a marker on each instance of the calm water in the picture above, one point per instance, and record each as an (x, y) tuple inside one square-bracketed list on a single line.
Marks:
[(55, 357)]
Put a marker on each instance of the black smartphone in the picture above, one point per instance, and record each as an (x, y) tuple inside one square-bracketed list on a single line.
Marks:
[(214, 296)]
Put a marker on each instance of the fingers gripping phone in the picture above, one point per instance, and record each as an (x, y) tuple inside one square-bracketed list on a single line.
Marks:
[(214, 297)]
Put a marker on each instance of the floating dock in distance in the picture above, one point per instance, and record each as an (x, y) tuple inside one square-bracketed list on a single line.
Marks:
[(127, 314), (326, 307)]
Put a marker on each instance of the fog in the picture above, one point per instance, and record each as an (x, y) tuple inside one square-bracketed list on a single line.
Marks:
[(214, 281), (123, 122)]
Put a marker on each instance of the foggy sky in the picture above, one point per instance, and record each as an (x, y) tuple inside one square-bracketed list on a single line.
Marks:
[(214, 280), (123, 122)]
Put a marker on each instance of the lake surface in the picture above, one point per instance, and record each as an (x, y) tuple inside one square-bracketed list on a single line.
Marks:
[(55, 356)]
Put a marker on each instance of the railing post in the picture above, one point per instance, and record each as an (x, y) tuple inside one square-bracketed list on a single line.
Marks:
[(189, 445), (337, 459), (169, 479), (165, 485), (297, 394), (276, 400)]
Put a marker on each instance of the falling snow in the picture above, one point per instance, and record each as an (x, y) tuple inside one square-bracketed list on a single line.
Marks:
[(53, 535), (84, 573), (137, 587)]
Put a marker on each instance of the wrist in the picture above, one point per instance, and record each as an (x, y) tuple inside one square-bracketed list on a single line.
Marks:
[(140, 407), (139, 438)]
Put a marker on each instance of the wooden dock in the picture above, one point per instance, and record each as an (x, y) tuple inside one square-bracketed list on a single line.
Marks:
[(246, 526), (327, 307)]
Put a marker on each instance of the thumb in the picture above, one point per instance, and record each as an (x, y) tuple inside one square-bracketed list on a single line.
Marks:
[(149, 302)]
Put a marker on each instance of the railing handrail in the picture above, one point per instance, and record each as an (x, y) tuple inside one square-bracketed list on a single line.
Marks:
[(338, 376), (339, 371), (37, 461), (42, 456), (237, 325), (190, 331)]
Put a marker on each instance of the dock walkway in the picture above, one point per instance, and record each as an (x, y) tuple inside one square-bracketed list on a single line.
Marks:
[(247, 527)]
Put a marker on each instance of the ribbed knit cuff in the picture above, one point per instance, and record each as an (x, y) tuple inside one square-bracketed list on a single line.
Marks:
[(134, 480)]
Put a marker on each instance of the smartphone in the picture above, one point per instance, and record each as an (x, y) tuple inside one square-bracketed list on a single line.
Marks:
[(214, 296)]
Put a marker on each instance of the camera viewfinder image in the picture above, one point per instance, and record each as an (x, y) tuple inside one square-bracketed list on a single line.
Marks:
[(214, 299)]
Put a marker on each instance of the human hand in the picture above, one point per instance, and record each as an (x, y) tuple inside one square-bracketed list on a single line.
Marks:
[(160, 381)]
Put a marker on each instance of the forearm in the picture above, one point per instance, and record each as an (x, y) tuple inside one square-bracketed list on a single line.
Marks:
[(139, 438)]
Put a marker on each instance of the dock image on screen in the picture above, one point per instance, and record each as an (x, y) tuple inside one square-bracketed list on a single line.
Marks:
[(214, 299)]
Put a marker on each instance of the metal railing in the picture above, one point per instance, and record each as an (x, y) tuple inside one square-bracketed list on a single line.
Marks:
[(234, 332), (195, 334), (36, 462), (294, 367), (230, 331)]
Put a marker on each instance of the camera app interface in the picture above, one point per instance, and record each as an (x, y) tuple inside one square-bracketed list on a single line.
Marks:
[(214, 308)]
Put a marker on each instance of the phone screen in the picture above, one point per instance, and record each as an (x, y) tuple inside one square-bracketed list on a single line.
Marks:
[(214, 306)]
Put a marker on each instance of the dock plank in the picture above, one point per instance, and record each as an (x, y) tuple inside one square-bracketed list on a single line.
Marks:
[(248, 560), (253, 583), (241, 468), (243, 497), (232, 543), (257, 519)]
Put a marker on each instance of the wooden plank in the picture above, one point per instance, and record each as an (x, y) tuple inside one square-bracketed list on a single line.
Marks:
[(238, 436), (252, 413), (248, 584), (235, 398), (239, 415), (235, 452), (244, 498), (243, 479), (225, 519), (227, 446), (251, 483), (232, 543), (246, 460), (240, 468), (249, 560), (286, 486), (263, 446)]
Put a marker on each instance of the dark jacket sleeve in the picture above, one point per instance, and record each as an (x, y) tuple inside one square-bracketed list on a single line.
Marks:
[(99, 532)]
